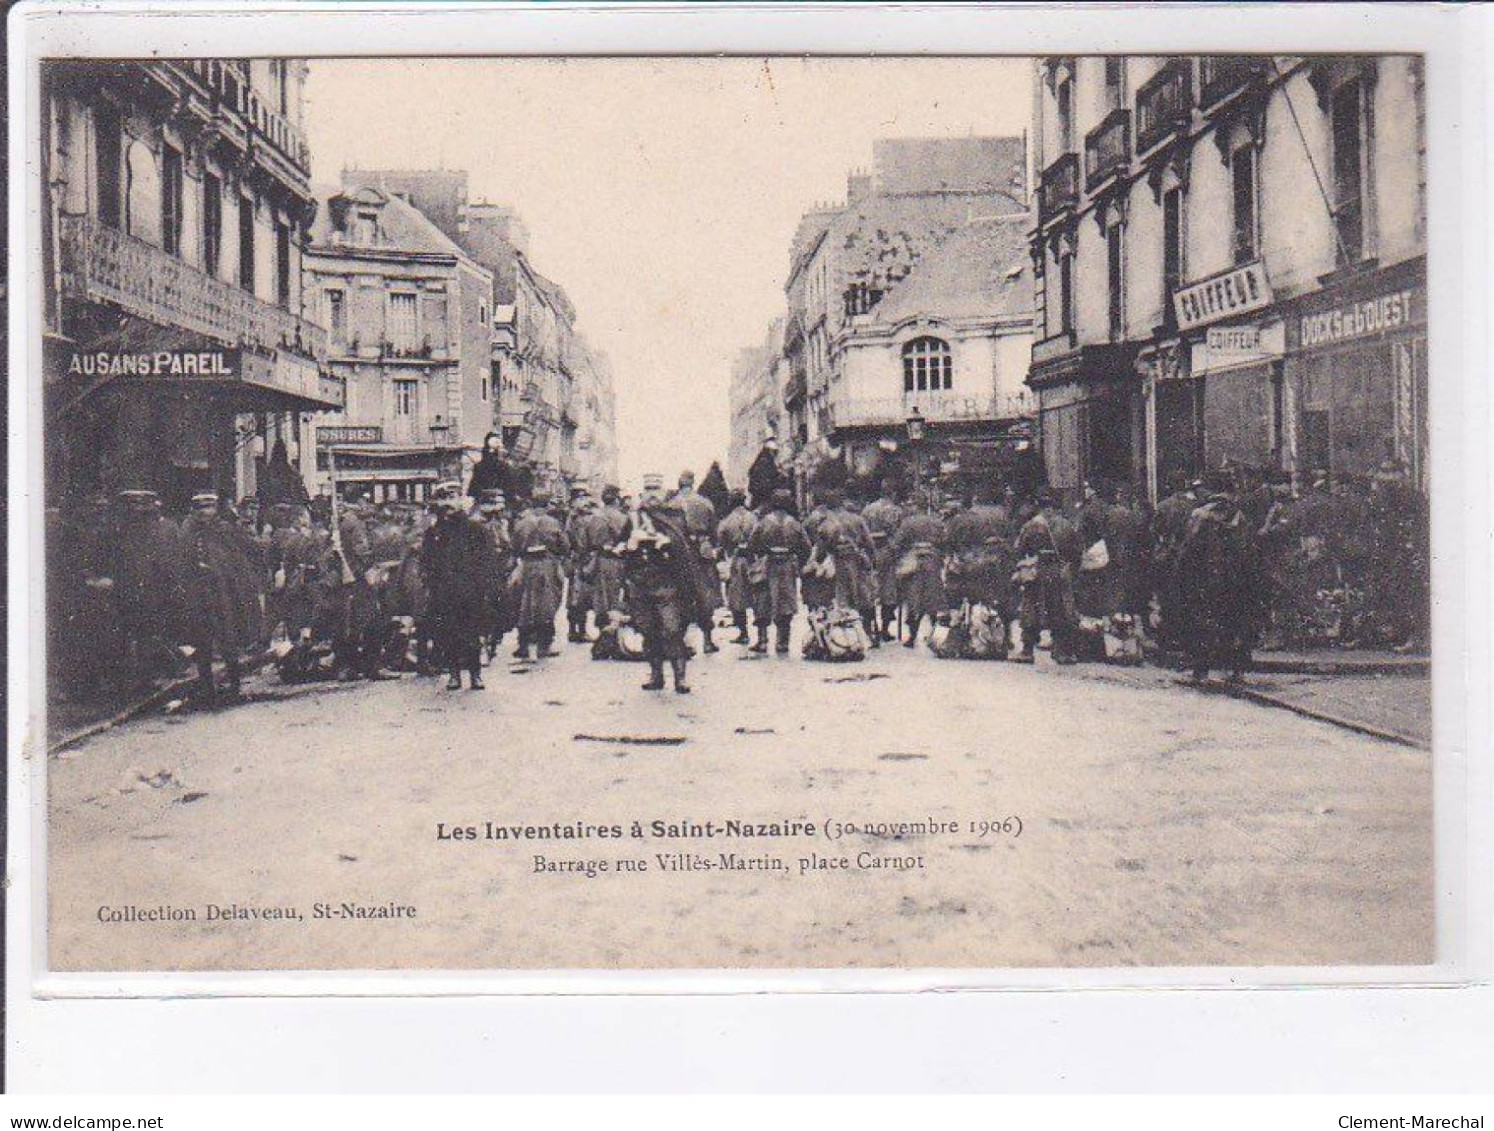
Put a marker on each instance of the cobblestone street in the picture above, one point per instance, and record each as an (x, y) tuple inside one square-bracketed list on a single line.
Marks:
[(1158, 824)]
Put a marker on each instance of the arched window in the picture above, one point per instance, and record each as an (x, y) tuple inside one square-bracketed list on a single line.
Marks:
[(927, 366)]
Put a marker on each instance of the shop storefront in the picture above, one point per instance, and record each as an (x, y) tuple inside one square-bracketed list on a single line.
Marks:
[(173, 414), (1356, 367), (1089, 417)]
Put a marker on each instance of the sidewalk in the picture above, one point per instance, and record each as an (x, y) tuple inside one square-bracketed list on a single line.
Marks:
[(1337, 661)]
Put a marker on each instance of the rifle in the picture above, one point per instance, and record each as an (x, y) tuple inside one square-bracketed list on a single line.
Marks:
[(347, 570)]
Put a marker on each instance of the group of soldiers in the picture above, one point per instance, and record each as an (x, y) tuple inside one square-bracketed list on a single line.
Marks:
[(350, 589)]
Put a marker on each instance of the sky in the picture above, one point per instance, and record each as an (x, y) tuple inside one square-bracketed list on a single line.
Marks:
[(662, 194)]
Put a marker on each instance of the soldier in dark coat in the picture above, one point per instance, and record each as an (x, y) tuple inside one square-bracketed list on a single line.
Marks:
[(659, 557), (1169, 527), (492, 512), (883, 515), (611, 529), (1048, 551), (459, 561), (817, 589), (540, 544), (779, 548), (1220, 593), (979, 566), (580, 569), (137, 563), (765, 478), (732, 536), (222, 586), (919, 546), (844, 539), (700, 525)]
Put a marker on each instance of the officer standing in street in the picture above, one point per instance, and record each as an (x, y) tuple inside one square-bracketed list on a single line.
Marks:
[(459, 562), (659, 568)]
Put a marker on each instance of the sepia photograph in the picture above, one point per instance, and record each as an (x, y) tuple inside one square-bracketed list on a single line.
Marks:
[(735, 513)]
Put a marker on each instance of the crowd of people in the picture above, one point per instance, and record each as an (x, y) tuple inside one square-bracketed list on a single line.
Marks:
[(347, 589)]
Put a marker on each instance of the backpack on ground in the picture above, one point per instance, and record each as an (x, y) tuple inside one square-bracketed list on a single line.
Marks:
[(836, 635)]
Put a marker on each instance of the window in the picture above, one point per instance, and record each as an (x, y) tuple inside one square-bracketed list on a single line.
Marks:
[(283, 264), (1172, 251), (280, 78), (171, 200), (108, 155), (212, 224), (246, 243), (486, 387), (1242, 165), (1347, 117), (1115, 82), (406, 397), (1115, 278), (927, 366), (337, 317), (1065, 291), (403, 325), (1065, 95)]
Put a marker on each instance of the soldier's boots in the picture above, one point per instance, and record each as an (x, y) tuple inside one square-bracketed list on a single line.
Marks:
[(782, 642), (656, 676), (680, 686), (454, 681), (742, 636), (705, 632), (522, 651), (544, 646), (475, 681), (762, 640)]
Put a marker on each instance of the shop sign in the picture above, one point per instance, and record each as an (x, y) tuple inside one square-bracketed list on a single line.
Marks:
[(1236, 291), (211, 363), (1356, 320), (1225, 341), (1229, 347)]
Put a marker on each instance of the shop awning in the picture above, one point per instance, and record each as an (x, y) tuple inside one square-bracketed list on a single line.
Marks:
[(142, 353)]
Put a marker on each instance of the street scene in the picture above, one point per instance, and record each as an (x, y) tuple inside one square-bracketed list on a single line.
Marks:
[(1025, 561)]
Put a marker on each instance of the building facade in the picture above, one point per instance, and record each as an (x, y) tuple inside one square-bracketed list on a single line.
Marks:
[(554, 405), (756, 403), (938, 221), (409, 323), (1230, 266), (179, 350)]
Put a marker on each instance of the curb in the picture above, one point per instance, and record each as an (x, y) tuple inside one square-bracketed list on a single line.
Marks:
[(163, 694), (1261, 698), (1411, 666)]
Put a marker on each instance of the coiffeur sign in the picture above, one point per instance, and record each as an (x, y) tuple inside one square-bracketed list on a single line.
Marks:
[(1236, 291)]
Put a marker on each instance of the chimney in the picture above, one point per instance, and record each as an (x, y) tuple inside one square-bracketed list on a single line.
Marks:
[(858, 186)]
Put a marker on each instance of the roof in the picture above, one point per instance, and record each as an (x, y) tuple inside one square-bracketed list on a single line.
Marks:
[(401, 226), (981, 270)]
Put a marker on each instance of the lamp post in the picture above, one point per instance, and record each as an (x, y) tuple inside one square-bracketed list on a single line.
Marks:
[(915, 424)]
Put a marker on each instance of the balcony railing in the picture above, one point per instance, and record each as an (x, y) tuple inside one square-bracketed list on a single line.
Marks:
[(1107, 148), (1059, 186), (935, 408), (1164, 104), (231, 90), (1222, 75), (102, 264)]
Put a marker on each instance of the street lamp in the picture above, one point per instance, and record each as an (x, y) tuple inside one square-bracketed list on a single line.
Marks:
[(915, 423)]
